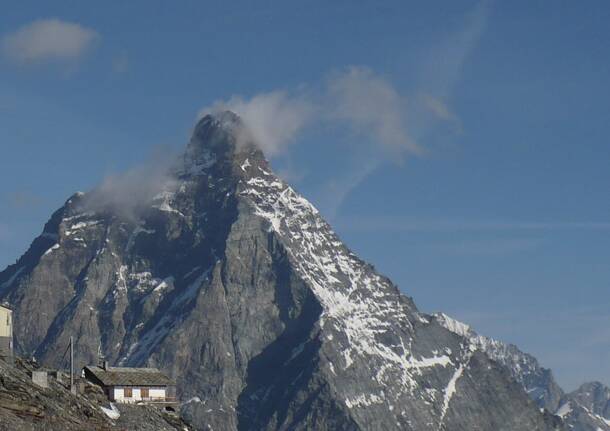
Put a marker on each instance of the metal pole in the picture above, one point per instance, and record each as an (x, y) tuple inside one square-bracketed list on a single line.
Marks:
[(72, 388)]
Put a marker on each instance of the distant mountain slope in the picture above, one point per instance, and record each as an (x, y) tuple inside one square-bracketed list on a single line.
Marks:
[(234, 285), (586, 409), (538, 382)]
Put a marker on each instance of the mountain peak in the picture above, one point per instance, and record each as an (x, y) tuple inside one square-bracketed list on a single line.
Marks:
[(221, 137), (226, 120), (236, 287)]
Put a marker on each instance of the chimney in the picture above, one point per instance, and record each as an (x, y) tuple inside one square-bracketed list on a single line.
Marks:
[(105, 365)]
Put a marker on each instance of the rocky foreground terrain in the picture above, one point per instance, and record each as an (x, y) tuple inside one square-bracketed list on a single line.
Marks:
[(233, 284), (25, 406)]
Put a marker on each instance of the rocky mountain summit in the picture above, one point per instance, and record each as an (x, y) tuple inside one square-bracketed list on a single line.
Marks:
[(232, 283), (585, 409)]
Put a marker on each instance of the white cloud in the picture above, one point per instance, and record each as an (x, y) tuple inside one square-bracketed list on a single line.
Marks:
[(372, 106), (440, 110), (338, 189), (367, 103), (356, 96), (392, 125), (273, 119), (445, 64), (48, 40), (127, 193)]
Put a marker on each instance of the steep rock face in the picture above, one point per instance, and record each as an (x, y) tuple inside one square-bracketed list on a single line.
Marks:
[(587, 408), (234, 285)]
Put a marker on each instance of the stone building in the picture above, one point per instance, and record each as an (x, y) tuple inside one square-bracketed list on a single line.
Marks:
[(6, 331), (132, 385)]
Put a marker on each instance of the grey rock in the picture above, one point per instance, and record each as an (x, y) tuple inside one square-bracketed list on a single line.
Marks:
[(233, 284), (537, 381), (587, 408)]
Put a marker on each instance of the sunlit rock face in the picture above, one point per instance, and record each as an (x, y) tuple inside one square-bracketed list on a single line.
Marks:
[(232, 283)]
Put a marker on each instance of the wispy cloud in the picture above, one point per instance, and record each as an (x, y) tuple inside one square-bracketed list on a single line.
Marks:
[(487, 247), (337, 189), (442, 69), (381, 119), (445, 63), (355, 96), (371, 106), (368, 104), (272, 119), (441, 110), (398, 224), (377, 113), (126, 193), (48, 40)]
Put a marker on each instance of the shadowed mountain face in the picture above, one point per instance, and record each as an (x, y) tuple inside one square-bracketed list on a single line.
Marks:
[(232, 283)]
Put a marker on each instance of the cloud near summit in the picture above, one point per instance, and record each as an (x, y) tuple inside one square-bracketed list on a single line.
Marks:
[(356, 97), (273, 119), (381, 123)]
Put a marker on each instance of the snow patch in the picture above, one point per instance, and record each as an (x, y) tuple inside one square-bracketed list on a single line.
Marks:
[(453, 325), (112, 412), (54, 247), (564, 410), (168, 282), (449, 392), (143, 348), (364, 400), (80, 225)]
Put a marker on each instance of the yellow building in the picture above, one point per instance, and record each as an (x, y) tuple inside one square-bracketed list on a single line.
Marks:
[(6, 331)]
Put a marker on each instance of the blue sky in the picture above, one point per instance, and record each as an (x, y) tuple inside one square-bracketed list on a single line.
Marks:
[(461, 147)]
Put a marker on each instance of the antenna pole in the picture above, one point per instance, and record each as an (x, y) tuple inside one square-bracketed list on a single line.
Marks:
[(72, 388)]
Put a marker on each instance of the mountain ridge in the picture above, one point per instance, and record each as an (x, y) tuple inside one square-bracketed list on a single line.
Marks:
[(585, 409)]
